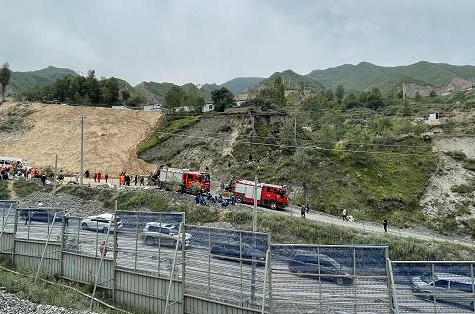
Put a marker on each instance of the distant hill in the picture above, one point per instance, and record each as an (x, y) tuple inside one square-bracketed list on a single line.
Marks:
[(292, 80), (23, 81), (155, 92), (241, 84), (365, 75)]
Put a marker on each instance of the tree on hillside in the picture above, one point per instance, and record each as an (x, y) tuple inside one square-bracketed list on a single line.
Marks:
[(418, 97), (339, 92), (279, 91), (329, 94), (5, 74), (222, 99), (432, 93), (350, 101), (174, 99), (194, 100), (375, 99), (125, 95)]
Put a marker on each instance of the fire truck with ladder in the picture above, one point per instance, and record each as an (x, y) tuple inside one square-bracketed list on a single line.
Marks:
[(186, 179), (268, 195)]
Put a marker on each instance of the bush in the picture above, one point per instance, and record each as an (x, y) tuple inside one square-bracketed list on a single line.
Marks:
[(4, 195), (23, 187), (458, 155), (469, 164), (461, 189)]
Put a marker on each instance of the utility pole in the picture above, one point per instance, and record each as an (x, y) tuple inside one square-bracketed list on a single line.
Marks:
[(55, 173), (254, 213), (81, 166)]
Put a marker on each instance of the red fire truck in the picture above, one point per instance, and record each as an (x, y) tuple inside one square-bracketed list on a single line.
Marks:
[(183, 177), (269, 195)]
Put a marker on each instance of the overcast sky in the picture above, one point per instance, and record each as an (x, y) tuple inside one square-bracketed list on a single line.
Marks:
[(213, 41)]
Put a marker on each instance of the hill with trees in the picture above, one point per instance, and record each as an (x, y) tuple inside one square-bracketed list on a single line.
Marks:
[(365, 76), (241, 84), (23, 81)]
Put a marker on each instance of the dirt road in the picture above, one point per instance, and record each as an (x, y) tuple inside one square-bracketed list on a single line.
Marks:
[(111, 137)]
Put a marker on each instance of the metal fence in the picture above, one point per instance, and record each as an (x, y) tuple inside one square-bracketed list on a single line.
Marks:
[(434, 287), (155, 262), (329, 279), (228, 266)]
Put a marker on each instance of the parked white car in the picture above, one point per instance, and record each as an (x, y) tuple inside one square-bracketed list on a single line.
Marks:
[(156, 233), (101, 223)]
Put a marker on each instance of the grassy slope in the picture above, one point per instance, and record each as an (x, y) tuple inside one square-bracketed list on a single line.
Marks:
[(4, 194), (295, 80), (165, 130)]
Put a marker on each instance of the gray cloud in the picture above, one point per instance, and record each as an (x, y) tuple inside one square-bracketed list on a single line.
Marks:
[(213, 41)]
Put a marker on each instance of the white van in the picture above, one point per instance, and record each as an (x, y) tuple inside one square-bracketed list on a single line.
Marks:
[(6, 161)]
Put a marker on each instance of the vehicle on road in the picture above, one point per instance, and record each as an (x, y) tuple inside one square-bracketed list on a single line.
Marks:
[(18, 163), (188, 181), (44, 214), (445, 288), (239, 252), (101, 223), (156, 233), (268, 195), (321, 266)]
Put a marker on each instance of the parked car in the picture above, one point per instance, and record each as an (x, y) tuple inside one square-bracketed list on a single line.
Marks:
[(236, 252), (445, 287), (101, 223), (319, 266), (44, 214), (156, 233)]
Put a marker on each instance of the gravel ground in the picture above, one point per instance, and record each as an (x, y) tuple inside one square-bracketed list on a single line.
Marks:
[(75, 205), (12, 304)]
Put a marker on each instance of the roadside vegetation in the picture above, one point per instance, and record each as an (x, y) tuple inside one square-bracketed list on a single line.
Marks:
[(24, 187), (52, 294), (4, 194)]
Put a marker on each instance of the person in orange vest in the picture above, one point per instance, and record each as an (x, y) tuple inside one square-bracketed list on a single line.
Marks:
[(122, 179), (102, 248), (99, 177)]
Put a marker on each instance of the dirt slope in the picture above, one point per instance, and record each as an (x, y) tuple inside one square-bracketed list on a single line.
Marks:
[(111, 137)]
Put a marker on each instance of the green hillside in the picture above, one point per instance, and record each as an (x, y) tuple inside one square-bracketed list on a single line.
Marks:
[(23, 81), (241, 84), (155, 92), (292, 80), (365, 75)]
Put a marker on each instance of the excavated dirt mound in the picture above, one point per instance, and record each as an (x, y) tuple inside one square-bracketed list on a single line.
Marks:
[(111, 137)]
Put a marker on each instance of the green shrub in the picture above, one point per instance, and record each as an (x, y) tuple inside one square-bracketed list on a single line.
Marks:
[(469, 164), (458, 155), (23, 187), (4, 194), (461, 189)]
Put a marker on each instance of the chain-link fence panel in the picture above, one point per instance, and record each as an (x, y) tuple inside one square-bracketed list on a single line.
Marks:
[(39, 223), (329, 279), (7, 212), (151, 242), (434, 287), (228, 266)]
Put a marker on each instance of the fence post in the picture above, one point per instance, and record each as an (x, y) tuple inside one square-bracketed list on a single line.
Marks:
[(46, 246), (183, 269), (354, 279), (63, 227), (263, 307), (114, 254), (392, 293), (167, 303), (98, 272), (15, 229), (388, 282)]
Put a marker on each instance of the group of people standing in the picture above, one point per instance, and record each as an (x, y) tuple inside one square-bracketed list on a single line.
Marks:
[(98, 177), (125, 179)]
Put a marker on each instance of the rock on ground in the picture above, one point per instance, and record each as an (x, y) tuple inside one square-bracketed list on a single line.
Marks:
[(12, 304)]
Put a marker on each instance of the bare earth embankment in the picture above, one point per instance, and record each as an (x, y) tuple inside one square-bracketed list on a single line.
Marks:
[(111, 136)]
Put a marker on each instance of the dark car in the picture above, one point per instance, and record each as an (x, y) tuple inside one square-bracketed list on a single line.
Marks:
[(233, 251), (319, 266), (445, 287), (41, 214)]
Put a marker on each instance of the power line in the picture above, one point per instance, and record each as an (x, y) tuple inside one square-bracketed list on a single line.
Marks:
[(302, 147)]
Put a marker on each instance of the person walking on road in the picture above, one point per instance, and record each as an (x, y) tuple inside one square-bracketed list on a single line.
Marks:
[(344, 215), (99, 177), (43, 179), (136, 180), (385, 225), (307, 207), (303, 210), (106, 177)]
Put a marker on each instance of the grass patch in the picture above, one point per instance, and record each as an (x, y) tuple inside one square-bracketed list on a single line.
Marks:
[(13, 120), (461, 189), (469, 164), (457, 155), (4, 194), (24, 188), (45, 293), (169, 126)]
